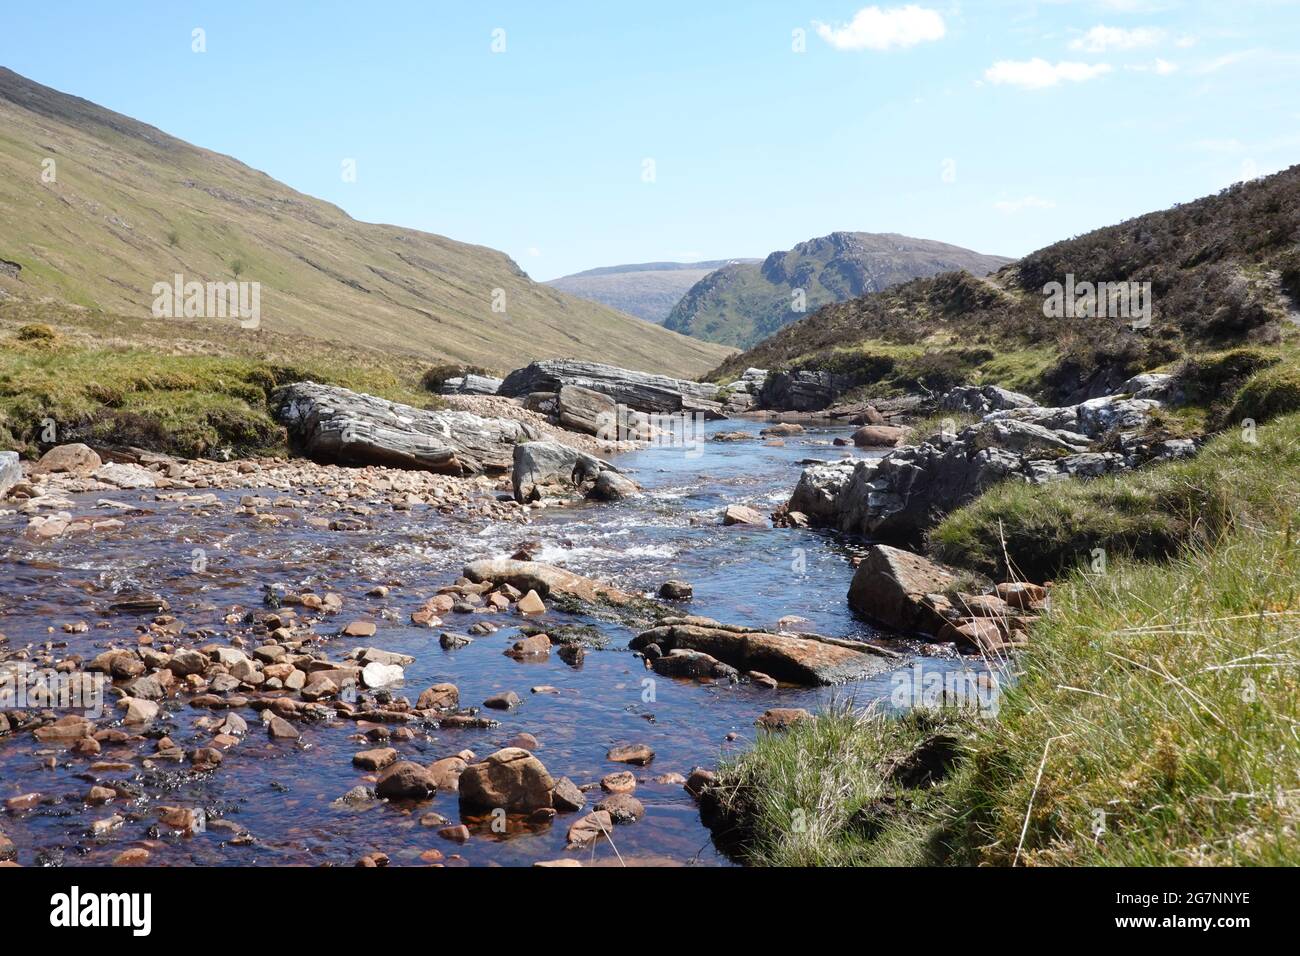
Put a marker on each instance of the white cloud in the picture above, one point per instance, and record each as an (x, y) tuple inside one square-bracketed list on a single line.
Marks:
[(873, 28), (1024, 202), (1159, 67), (534, 251), (1102, 38), (1037, 74)]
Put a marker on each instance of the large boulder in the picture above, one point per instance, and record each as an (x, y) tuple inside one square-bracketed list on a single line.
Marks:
[(547, 469), (511, 779), (801, 391), (891, 586), (806, 659), (11, 471), (335, 425), (470, 384), (586, 410), (545, 579), (74, 459), (982, 399)]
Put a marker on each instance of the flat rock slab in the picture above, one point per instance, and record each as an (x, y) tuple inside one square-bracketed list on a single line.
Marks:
[(545, 579), (335, 425), (796, 658)]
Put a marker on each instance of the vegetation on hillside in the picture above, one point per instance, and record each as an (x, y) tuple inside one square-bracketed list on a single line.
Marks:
[(1242, 477), (111, 381), (1224, 272), (743, 303)]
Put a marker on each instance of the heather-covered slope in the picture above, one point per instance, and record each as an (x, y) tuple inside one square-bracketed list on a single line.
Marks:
[(1224, 271)]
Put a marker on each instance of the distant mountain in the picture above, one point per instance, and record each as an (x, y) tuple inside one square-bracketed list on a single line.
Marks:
[(96, 208), (743, 304), (648, 290)]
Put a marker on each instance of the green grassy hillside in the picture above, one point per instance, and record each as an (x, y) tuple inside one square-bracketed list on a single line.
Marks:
[(129, 206)]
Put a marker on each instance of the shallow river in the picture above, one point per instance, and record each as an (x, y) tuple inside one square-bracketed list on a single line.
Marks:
[(283, 793)]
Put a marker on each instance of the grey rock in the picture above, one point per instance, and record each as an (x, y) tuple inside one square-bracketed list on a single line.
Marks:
[(801, 391), (11, 471), (547, 469), (470, 385), (332, 424), (639, 391), (982, 399)]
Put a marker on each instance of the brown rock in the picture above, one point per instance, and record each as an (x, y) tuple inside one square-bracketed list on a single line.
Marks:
[(504, 701), (890, 586), (405, 781), (638, 754), (74, 459), (511, 779), (621, 781), (566, 795), (1021, 595), (280, 729), (743, 514), (779, 718), (535, 647), (622, 808), (136, 856), (446, 773), (360, 629), (439, 697), (457, 834), (376, 759), (878, 436), (590, 828), (531, 604)]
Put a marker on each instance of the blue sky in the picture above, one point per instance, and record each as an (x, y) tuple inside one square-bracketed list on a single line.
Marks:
[(997, 125)]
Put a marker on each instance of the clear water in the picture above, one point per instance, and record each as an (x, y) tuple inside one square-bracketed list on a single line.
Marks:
[(283, 793)]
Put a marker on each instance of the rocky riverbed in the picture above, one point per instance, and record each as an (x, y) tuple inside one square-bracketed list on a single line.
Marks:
[(301, 663)]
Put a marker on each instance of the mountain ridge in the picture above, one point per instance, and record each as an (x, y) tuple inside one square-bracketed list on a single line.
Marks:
[(648, 290), (130, 205), (742, 304)]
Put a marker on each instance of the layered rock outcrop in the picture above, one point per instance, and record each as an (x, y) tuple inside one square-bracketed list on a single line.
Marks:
[(334, 425)]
